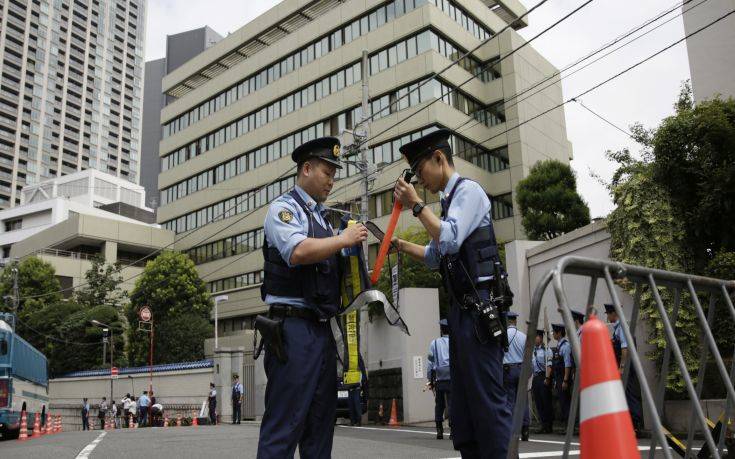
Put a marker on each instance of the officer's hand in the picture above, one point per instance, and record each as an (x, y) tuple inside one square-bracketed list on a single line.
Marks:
[(564, 386), (547, 382), (354, 234), (405, 193), (397, 244)]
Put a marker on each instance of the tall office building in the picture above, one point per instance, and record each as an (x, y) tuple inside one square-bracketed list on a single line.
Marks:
[(179, 48), (711, 56), (71, 90), (295, 73)]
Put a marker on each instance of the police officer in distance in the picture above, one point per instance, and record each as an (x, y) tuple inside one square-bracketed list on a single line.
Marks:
[(512, 361), (438, 374), (301, 288), (562, 370), (464, 237), (541, 392)]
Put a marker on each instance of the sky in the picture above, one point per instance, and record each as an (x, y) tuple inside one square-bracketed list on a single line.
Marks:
[(644, 95)]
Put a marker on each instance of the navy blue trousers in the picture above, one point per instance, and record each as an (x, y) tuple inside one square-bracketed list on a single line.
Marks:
[(479, 411), (442, 399), (542, 399), (510, 382), (301, 395), (355, 405)]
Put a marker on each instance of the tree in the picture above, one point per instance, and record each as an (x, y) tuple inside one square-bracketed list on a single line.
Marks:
[(102, 285), (180, 304), (549, 202)]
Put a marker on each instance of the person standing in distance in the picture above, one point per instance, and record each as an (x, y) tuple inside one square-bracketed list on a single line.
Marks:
[(463, 246), (541, 392), (438, 373), (212, 404), (562, 371), (302, 289), (512, 361), (237, 398)]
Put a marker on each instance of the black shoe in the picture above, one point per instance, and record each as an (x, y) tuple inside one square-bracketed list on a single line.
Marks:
[(524, 433), (439, 431)]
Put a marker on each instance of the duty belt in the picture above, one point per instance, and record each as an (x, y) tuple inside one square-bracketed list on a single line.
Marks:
[(508, 366), (283, 311)]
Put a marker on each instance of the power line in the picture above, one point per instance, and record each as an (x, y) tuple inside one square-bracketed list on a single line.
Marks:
[(526, 43), (604, 119), (472, 121), (598, 85)]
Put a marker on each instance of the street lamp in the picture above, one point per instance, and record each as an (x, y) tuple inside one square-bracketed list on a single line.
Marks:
[(216, 331), (105, 329)]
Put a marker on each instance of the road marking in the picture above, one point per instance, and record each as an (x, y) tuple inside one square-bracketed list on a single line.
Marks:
[(573, 452), (84, 454)]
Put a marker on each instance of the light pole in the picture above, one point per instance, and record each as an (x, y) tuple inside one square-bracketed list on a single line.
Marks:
[(112, 349), (216, 331)]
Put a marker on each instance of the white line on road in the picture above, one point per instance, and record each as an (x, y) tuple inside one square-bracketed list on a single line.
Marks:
[(573, 452), (84, 454)]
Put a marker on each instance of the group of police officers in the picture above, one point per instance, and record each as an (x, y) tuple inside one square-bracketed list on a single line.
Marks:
[(301, 286)]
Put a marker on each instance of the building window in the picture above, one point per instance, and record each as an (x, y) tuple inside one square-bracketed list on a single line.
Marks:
[(13, 225)]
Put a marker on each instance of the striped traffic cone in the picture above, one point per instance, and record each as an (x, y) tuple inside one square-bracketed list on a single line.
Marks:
[(604, 419), (194, 419), (394, 415), (165, 421), (61, 428), (49, 424), (23, 436), (178, 420), (36, 426)]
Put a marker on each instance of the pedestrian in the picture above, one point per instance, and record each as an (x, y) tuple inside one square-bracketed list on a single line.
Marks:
[(540, 384), (438, 374), (85, 414), (302, 289), (561, 370), (633, 387), (355, 394), (126, 401), (113, 414), (156, 413), (464, 248), (238, 393), (133, 410), (143, 405), (212, 404), (102, 412), (512, 361)]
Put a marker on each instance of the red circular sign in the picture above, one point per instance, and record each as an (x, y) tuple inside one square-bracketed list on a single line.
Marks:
[(114, 371), (145, 313)]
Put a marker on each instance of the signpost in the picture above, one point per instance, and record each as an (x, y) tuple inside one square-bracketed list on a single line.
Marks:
[(114, 372), (146, 323)]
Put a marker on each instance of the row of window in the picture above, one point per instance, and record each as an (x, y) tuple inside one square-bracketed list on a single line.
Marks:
[(227, 247), (501, 206), (269, 113), (314, 50), (235, 205), (239, 281)]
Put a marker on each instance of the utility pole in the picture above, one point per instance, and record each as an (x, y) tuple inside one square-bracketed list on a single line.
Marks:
[(16, 295), (363, 146)]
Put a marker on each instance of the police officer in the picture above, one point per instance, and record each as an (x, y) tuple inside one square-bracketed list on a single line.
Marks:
[(355, 394), (301, 288), (438, 374), (463, 246), (512, 361), (561, 368), (633, 388), (578, 322), (237, 398), (212, 404), (541, 392)]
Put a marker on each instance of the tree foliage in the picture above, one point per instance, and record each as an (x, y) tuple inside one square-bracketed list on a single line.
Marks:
[(180, 304), (549, 203), (101, 285), (37, 286)]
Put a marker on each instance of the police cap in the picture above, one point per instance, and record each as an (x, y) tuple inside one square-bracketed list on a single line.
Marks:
[(426, 145), (512, 315), (444, 323), (609, 308), (558, 327), (578, 316), (324, 148), (540, 333)]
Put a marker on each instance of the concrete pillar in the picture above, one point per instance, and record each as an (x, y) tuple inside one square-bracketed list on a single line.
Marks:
[(227, 361), (109, 251)]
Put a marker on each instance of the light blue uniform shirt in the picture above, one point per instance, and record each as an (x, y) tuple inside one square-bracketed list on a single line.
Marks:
[(540, 362), (470, 210), (618, 332), (285, 236), (144, 401), (516, 344), (438, 358), (566, 352)]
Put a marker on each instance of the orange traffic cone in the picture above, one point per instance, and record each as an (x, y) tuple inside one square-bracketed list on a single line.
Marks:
[(381, 414), (194, 419), (49, 424), (61, 429), (394, 415), (604, 418), (23, 427), (37, 426), (56, 424), (165, 421), (178, 420)]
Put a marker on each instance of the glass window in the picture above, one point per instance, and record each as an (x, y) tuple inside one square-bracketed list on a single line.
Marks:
[(401, 51), (411, 47)]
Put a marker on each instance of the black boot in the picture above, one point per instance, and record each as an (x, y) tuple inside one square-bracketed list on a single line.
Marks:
[(439, 431), (524, 433)]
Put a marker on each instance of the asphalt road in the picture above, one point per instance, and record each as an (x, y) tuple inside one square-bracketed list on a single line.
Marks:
[(228, 441)]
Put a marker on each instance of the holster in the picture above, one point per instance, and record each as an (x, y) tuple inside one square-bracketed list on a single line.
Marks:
[(272, 332)]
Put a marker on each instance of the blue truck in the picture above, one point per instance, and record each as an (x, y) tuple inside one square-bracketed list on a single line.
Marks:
[(23, 379)]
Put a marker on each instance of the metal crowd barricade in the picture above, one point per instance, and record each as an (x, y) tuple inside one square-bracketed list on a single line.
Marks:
[(643, 278)]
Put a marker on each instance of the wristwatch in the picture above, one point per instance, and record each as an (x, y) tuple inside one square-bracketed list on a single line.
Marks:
[(417, 208)]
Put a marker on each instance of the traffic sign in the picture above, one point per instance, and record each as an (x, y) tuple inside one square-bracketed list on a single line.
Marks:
[(145, 314), (114, 372)]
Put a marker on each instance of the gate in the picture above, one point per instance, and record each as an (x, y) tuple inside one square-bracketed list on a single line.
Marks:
[(248, 384), (642, 278)]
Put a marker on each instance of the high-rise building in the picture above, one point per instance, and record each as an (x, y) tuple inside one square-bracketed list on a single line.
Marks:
[(295, 73), (71, 90), (179, 48), (711, 56)]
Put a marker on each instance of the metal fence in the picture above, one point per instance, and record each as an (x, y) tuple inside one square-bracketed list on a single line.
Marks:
[(644, 279)]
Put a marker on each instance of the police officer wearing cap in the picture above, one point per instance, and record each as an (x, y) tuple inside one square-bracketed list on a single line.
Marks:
[(512, 361), (301, 287), (464, 239), (562, 370), (633, 388), (541, 363), (438, 374)]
